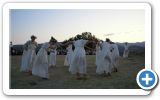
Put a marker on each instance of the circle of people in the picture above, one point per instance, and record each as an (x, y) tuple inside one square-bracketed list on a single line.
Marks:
[(107, 57)]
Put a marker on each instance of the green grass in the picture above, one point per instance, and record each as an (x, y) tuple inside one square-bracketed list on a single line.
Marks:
[(60, 78)]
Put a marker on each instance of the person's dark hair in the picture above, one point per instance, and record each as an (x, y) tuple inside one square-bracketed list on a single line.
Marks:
[(33, 37), (107, 40)]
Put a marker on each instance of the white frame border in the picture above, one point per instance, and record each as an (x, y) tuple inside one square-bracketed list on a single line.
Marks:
[(6, 70)]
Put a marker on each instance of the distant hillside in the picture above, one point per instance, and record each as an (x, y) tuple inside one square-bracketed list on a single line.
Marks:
[(134, 48)]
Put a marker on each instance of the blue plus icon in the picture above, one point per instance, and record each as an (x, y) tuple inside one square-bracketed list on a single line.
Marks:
[(146, 79)]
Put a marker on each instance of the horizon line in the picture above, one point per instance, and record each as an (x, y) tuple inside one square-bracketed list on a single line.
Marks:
[(114, 42)]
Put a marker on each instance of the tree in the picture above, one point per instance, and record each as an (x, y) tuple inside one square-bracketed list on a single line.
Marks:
[(86, 36)]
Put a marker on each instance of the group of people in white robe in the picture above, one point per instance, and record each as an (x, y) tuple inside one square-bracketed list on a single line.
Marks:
[(107, 57)]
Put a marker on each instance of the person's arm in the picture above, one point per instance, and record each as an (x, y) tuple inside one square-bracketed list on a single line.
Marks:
[(91, 41), (70, 42), (111, 48), (59, 45), (25, 46), (36, 44), (89, 48)]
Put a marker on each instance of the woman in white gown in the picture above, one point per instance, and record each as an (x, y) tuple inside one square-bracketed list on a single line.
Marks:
[(68, 57), (98, 57), (29, 55), (78, 62), (52, 57), (105, 60), (41, 64), (126, 50), (114, 57)]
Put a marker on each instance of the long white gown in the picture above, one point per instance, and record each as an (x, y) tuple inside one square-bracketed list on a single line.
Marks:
[(98, 58), (28, 56), (78, 62), (105, 60), (68, 57), (126, 51), (24, 62), (115, 56), (40, 66), (52, 57)]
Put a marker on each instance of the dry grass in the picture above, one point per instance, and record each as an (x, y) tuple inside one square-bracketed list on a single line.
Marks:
[(60, 78)]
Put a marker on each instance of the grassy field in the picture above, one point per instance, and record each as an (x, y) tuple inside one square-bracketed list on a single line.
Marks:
[(60, 78)]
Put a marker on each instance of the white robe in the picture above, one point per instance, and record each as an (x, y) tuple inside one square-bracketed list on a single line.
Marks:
[(24, 62), (52, 57), (105, 59), (78, 62), (68, 57), (28, 56), (98, 58), (40, 67), (114, 56), (126, 51)]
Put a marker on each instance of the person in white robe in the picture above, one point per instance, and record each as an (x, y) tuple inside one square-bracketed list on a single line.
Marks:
[(98, 57), (114, 57), (126, 50), (52, 57), (41, 64), (105, 60), (68, 57), (28, 55), (78, 61)]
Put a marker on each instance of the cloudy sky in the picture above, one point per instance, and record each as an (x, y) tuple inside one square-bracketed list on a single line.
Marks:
[(118, 25)]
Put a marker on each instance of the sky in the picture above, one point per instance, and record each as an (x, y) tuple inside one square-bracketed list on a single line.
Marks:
[(118, 25)]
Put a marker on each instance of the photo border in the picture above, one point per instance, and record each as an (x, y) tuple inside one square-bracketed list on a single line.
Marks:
[(6, 38)]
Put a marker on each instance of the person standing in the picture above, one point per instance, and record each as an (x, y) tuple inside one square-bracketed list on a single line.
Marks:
[(28, 55), (105, 60), (126, 50), (114, 57), (41, 64), (68, 57), (98, 57), (78, 63), (52, 56)]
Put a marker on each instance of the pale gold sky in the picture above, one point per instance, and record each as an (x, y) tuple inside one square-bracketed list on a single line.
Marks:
[(118, 25)]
